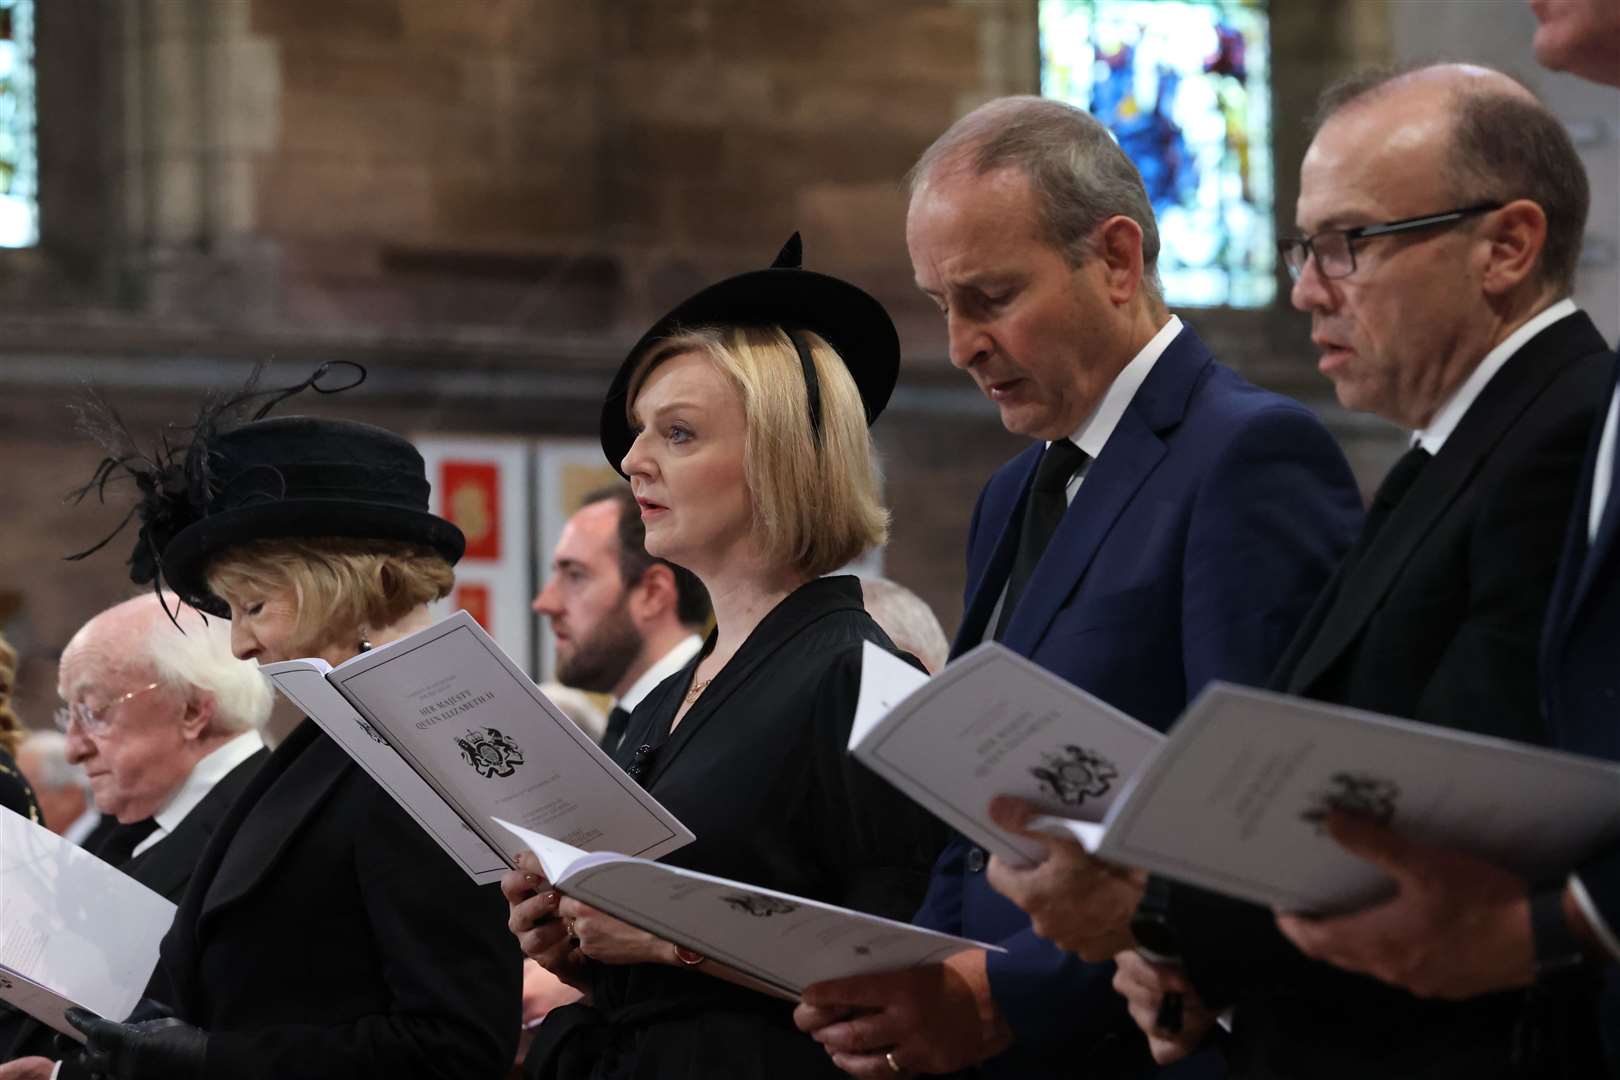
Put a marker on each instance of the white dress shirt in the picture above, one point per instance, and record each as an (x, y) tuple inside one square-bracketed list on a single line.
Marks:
[(1455, 407), (198, 783), (667, 665)]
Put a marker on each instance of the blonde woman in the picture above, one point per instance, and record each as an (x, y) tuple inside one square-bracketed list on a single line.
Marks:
[(323, 934), (741, 421)]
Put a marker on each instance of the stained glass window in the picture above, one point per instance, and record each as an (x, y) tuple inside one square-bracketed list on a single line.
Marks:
[(1184, 85), (19, 157)]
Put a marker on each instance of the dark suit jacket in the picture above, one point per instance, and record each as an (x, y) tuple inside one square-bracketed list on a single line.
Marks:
[(1580, 680), (165, 868), (1438, 620), (1193, 548), (325, 935)]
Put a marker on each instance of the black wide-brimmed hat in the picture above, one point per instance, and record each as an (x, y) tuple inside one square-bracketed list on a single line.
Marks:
[(784, 295), (270, 479)]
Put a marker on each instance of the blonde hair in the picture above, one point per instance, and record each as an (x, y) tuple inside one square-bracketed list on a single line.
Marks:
[(341, 585), (816, 507), (10, 727)]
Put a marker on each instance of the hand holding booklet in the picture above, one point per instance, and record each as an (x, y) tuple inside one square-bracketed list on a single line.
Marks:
[(73, 930), (456, 732), (1236, 799), (786, 942)]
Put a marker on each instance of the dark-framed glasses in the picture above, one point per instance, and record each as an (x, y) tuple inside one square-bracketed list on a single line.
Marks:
[(95, 721), (1335, 249)]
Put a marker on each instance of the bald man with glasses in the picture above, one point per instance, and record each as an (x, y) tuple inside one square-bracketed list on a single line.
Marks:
[(1440, 213)]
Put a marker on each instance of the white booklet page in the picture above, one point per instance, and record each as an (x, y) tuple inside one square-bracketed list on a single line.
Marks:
[(456, 712), (1235, 801), (73, 930), (784, 941), (993, 723)]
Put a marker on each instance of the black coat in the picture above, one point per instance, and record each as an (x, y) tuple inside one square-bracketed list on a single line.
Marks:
[(165, 868), (324, 934), (757, 769), (1437, 620), (15, 794)]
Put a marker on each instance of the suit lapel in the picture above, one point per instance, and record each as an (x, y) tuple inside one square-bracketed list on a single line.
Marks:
[(1128, 458), (279, 816), (986, 591), (808, 603), (1486, 423)]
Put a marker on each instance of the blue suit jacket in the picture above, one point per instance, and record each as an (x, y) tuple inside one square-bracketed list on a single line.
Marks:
[(1196, 543)]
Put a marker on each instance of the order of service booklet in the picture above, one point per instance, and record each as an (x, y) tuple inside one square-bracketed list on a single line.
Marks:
[(993, 723), (1236, 799), (458, 734), (785, 942), (73, 930)]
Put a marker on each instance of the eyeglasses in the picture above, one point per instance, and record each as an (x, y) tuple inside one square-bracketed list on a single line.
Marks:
[(1335, 249), (95, 721)]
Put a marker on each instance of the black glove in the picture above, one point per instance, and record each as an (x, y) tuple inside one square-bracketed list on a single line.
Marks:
[(166, 1049)]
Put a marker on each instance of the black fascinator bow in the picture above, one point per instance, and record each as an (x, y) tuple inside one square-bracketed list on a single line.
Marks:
[(174, 481)]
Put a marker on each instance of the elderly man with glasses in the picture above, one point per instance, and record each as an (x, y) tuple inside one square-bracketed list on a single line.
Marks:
[(1441, 211), (165, 722)]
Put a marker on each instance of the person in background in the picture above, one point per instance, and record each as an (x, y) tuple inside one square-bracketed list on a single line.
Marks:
[(61, 786), (1169, 524), (908, 620), (623, 620), (578, 707), (741, 419), (16, 794)]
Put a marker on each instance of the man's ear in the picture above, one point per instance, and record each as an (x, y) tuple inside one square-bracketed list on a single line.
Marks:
[(654, 594), (1119, 247), (1516, 235), (198, 717)]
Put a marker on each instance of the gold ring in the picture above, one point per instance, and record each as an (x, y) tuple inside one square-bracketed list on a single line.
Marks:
[(893, 1064), (569, 926)]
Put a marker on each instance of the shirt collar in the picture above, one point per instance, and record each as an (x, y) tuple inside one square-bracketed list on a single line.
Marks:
[(667, 665), (1093, 432), (1451, 412), (201, 780)]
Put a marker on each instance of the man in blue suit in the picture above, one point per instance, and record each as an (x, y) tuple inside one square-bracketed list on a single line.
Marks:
[(1171, 524)]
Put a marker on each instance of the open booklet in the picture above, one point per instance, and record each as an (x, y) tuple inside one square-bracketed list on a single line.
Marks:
[(458, 735), (1236, 799), (73, 930), (785, 942), (993, 723)]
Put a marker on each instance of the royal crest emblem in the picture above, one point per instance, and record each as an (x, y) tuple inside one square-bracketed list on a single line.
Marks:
[(1360, 794), (760, 907), (1074, 774), (492, 754)]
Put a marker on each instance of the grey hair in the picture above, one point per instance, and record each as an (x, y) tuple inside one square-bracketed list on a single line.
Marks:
[(578, 707), (908, 620), (197, 655), (1078, 172), (49, 749)]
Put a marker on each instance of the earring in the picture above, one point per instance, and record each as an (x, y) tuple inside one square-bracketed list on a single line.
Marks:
[(365, 640)]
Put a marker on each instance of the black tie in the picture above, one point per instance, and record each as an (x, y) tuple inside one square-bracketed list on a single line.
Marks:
[(1048, 501), (121, 842), (1393, 490), (617, 719)]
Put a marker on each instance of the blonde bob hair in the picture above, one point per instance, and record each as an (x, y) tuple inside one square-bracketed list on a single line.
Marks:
[(816, 505), (342, 586)]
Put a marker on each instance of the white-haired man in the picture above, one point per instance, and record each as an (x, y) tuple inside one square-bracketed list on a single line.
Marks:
[(165, 722)]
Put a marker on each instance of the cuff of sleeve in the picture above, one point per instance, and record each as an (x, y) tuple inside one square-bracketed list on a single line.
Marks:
[(56, 1070), (1583, 900), (1051, 998)]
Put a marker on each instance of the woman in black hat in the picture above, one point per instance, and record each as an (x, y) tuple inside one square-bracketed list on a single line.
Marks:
[(741, 421), (323, 934)]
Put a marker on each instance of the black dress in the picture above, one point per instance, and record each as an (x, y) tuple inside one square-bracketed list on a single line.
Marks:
[(758, 770), (15, 794)]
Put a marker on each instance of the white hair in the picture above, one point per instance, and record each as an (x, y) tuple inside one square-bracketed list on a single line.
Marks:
[(197, 655), (907, 619), (578, 707), (52, 770)]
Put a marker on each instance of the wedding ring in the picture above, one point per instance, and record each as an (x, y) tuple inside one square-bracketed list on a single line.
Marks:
[(569, 926), (893, 1064)]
